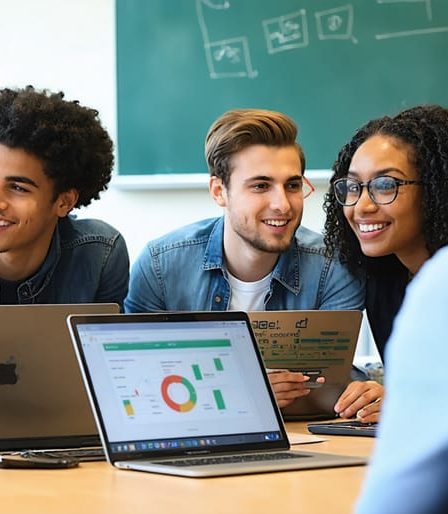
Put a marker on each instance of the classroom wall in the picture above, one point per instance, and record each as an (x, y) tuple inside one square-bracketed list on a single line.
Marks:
[(69, 45)]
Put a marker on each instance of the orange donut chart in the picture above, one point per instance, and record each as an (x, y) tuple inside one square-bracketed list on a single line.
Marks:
[(178, 407)]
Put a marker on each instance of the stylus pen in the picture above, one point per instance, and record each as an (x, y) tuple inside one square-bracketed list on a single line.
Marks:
[(378, 400), (373, 403)]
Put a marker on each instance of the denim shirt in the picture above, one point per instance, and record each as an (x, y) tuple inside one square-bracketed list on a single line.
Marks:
[(185, 270), (87, 262)]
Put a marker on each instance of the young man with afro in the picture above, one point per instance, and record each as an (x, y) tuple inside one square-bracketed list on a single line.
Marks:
[(55, 156)]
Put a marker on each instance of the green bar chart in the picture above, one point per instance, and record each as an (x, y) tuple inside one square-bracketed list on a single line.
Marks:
[(219, 399)]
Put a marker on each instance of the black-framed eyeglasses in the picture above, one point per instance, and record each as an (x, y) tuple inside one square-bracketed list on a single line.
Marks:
[(382, 190)]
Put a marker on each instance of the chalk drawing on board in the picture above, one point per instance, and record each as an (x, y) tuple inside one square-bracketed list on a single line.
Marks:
[(412, 32), (336, 23), (226, 58), (416, 32), (230, 58), (428, 4), (215, 5), (286, 32)]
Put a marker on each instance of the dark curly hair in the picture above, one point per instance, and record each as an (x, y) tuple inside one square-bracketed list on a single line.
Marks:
[(425, 130), (75, 150), (240, 128)]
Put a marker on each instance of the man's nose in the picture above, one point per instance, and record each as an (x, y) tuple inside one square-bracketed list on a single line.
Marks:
[(3, 203), (279, 200)]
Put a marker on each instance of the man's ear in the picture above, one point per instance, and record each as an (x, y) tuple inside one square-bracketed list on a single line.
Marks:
[(218, 191), (65, 202)]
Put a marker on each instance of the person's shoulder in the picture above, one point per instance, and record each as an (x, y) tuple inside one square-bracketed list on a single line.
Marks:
[(437, 262), (76, 231), (194, 234), (309, 241), (433, 275), (313, 252)]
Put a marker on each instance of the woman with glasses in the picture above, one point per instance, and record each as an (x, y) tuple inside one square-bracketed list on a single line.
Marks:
[(387, 213)]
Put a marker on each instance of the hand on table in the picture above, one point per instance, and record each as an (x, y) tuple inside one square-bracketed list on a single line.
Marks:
[(361, 399)]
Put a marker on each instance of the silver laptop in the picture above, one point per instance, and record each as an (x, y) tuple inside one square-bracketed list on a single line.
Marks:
[(315, 343), (185, 394), (42, 397)]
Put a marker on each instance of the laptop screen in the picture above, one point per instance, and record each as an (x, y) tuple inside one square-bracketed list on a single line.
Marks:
[(178, 384)]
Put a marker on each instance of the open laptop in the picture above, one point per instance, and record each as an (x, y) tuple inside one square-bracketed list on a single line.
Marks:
[(317, 343), (43, 401), (185, 394)]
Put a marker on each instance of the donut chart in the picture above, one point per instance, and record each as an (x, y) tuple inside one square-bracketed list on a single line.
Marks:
[(178, 407)]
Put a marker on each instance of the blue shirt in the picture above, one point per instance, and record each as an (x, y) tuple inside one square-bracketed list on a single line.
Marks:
[(87, 262), (185, 270), (409, 469)]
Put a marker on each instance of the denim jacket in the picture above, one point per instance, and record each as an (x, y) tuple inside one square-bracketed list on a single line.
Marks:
[(185, 270), (87, 262)]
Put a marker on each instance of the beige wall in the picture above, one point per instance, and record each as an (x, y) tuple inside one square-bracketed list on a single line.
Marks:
[(69, 45)]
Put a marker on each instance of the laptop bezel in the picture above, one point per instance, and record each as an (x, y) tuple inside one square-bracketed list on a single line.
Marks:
[(264, 446)]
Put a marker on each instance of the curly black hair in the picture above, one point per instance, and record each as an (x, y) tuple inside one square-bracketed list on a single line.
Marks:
[(424, 129), (74, 148)]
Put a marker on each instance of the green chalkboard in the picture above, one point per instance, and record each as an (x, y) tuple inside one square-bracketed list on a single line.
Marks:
[(330, 65)]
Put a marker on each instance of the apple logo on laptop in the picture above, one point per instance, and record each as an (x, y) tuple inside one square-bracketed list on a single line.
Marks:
[(8, 372)]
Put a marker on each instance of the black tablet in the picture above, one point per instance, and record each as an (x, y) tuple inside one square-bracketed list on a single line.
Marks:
[(350, 427)]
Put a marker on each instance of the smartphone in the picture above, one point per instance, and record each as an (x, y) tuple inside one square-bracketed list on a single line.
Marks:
[(313, 374), (36, 461)]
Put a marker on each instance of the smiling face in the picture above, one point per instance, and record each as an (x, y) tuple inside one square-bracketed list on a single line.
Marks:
[(264, 201), (28, 212), (395, 228)]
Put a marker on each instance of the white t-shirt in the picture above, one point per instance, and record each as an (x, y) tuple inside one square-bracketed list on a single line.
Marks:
[(248, 296)]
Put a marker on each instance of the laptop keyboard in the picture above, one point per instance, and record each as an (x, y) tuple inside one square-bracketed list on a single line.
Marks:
[(234, 459)]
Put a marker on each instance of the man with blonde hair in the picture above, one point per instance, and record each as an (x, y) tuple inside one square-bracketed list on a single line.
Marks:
[(253, 257)]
